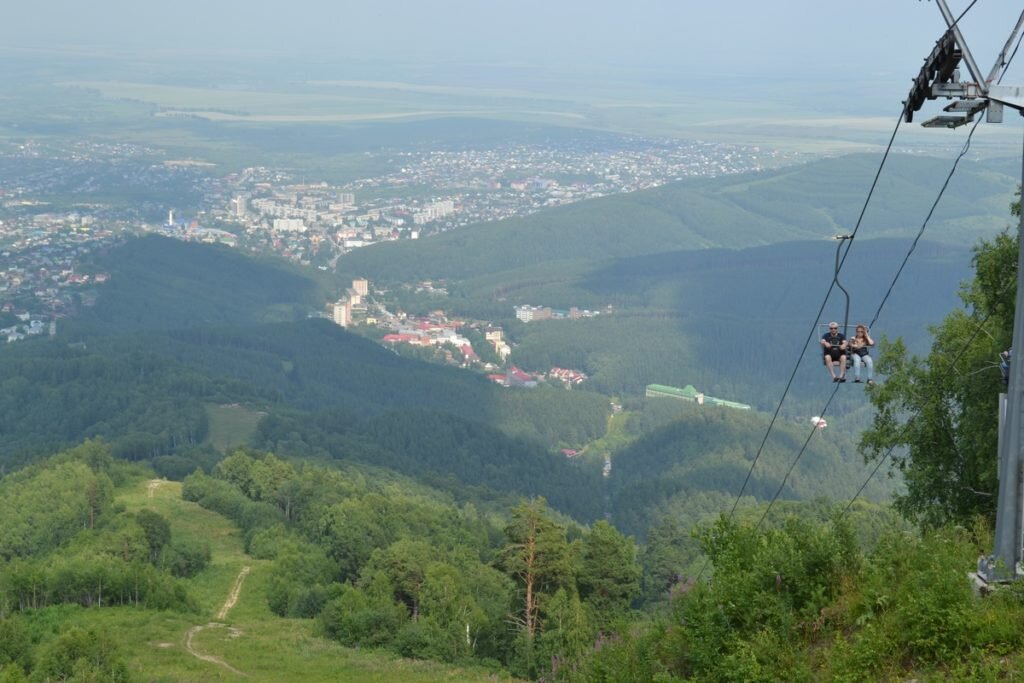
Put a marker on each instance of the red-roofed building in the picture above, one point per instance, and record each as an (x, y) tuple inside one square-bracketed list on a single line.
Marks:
[(567, 377), (518, 378)]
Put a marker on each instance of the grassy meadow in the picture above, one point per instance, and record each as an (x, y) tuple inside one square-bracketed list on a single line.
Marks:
[(231, 425)]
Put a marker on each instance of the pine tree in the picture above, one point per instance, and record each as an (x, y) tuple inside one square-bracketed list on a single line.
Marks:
[(536, 555)]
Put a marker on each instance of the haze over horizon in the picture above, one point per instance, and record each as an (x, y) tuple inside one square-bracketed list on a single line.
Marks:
[(873, 40)]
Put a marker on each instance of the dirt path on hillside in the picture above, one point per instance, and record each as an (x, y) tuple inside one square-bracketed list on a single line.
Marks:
[(236, 590), (208, 658)]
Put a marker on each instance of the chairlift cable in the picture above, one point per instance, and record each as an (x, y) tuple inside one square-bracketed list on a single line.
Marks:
[(792, 465), (835, 281), (811, 334), (1014, 54), (906, 425), (981, 325), (821, 309), (924, 224), (962, 14), (938, 198)]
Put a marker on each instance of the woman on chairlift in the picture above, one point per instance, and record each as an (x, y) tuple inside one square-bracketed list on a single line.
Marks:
[(859, 346)]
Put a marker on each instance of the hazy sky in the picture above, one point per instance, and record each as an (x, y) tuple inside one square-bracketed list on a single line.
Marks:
[(749, 38)]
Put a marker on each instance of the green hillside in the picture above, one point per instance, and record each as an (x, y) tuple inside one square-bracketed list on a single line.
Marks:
[(732, 321), (694, 466), (219, 626), (167, 284), (811, 201), (399, 508), (729, 321), (309, 389), (148, 394), (271, 572), (146, 383), (255, 640)]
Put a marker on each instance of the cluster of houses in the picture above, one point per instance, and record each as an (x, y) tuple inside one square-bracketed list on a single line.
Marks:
[(436, 330), (514, 377), (43, 281), (432, 330), (569, 378), (27, 327)]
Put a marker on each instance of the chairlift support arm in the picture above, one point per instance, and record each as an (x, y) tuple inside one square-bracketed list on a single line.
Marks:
[(968, 58)]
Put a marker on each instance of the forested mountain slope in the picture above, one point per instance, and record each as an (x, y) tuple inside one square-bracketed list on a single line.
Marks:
[(694, 466), (167, 284), (381, 505), (331, 395), (733, 322), (805, 202), (147, 394), (144, 382)]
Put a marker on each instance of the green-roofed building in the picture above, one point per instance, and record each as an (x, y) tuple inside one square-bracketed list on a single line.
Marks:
[(690, 393)]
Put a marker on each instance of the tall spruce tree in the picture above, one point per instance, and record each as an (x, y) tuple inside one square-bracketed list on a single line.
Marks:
[(609, 575)]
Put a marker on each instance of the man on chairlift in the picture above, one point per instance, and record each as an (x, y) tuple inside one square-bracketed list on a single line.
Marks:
[(833, 343)]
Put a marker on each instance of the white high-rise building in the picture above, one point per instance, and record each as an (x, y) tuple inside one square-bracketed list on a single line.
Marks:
[(289, 225), (434, 211), (342, 313), (362, 286)]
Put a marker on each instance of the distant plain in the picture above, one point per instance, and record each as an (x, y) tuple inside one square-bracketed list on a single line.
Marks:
[(225, 112)]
